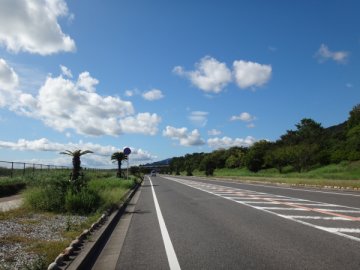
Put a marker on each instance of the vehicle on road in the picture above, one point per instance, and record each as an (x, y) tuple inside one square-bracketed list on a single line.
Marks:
[(153, 173)]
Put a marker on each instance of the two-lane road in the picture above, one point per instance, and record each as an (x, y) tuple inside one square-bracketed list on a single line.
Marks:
[(185, 223)]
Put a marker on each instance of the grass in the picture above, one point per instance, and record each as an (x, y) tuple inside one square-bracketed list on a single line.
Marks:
[(344, 174)]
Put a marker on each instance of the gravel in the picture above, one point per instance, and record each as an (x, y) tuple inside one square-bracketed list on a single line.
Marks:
[(16, 254)]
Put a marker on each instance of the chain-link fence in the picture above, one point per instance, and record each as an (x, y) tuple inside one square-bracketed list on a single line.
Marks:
[(15, 169)]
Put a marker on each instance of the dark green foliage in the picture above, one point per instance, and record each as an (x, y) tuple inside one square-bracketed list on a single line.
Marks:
[(255, 158), (8, 187), (118, 157), (76, 177)]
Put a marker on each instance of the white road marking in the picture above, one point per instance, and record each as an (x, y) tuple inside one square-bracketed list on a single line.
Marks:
[(277, 187), (170, 252), (337, 231), (315, 217), (282, 208)]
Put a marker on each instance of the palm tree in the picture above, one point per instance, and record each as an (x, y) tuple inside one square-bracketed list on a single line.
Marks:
[(118, 157), (76, 161)]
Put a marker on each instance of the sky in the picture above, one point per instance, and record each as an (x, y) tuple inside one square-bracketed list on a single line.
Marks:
[(169, 77)]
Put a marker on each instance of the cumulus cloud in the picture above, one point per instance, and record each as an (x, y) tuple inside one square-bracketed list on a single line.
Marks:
[(324, 54), (210, 75), (245, 117), (32, 26), (153, 94), (181, 134), (100, 157), (251, 74), (214, 132), (64, 104), (227, 142), (145, 123), (198, 118)]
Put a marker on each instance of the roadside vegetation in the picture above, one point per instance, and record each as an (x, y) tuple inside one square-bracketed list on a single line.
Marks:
[(310, 153), (67, 204)]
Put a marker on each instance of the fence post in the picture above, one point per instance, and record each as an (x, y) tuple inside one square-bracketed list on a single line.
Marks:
[(24, 170), (12, 169)]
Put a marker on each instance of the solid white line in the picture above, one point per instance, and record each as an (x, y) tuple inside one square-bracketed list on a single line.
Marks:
[(170, 252)]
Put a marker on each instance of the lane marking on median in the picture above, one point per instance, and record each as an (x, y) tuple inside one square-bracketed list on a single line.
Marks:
[(170, 252)]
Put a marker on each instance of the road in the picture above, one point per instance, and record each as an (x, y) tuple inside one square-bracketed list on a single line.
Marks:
[(188, 223)]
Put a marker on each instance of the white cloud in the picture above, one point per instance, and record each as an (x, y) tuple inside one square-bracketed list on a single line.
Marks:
[(198, 118), (65, 104), (129, 93), (32, 26), (214, 132), (210, 75), (65, 71), (251, 74), (324, 54), (186, 139), (245, 117), (153, 94), (145, 123), (251, 125), (227, 142), (100, 157), (9, 81), (8, 78)]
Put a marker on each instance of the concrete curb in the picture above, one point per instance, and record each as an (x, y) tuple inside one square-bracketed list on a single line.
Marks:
[(83, 251)]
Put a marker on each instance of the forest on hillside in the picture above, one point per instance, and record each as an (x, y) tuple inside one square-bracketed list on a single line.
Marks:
[(308, 146)]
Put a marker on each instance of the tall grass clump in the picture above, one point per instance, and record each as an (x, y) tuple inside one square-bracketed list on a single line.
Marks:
[(48, 195), (85, 201)]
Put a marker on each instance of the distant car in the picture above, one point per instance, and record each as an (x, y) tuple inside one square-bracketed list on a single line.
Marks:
[(153, 173)]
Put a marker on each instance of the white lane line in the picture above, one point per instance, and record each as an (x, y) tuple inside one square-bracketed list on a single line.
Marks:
[(343, 230), (170, 252)]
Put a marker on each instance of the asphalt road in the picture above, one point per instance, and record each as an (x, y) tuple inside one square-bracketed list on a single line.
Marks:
[(219, 225)]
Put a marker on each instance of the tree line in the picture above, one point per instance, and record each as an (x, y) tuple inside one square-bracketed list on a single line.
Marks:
[(307, 146)]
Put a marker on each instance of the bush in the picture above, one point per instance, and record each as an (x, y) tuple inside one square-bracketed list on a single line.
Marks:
[(48, 196), (44, 199), (83, 202)]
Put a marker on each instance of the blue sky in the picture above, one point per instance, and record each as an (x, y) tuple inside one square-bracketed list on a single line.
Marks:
[(167, 78)]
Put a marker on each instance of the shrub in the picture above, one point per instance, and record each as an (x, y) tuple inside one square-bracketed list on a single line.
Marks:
[(48, 196), (83, 202)]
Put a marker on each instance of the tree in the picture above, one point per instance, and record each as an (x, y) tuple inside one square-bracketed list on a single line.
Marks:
[(254, 159), (279, 157), (76, 162), (118, 157), (209, 165), (354, 117)]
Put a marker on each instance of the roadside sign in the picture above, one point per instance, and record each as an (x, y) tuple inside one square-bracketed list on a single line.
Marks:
[(127, 151)]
